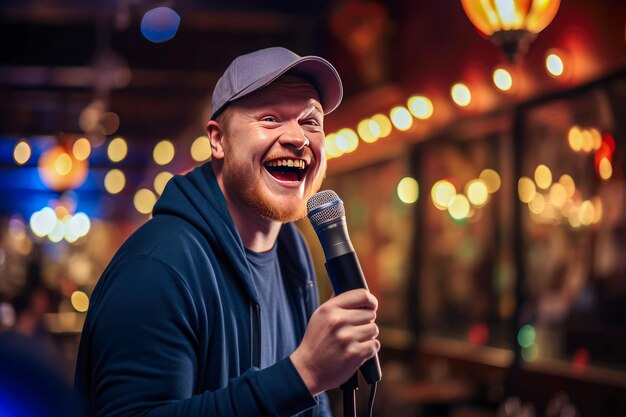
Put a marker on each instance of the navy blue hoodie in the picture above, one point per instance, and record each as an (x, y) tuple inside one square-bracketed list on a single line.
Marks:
[(173, 323)]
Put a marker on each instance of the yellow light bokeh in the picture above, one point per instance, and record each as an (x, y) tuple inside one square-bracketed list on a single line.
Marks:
[(201, 149), (114, 181), (597, 209), (575, 138), (477, 193), (384, 124), (420, 107), (605, 169), (526, 189), (586, 213), (80, 301), (144, 201), (568, 183), (63, 164), (163, 152), (597, 138), (161, 180), (557, 195), (81, 149), (538, 204), (369, 131), (441, 194), (543, 177), (554, 65), (401, 118), (502, 79), (117, 149), (459, 207), (491, 179), (332, 150), (587, 145), (22, 152), (351, 139), (461, 94), (408, 190)]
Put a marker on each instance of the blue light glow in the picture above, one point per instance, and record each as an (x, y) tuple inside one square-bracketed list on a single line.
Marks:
[(160, 24)]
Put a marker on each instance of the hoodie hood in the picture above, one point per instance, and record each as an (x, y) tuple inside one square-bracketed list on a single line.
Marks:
[(197, 198)]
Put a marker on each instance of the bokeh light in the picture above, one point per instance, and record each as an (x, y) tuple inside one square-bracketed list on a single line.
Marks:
[(144, 201), (350, 140), (80, 301), (554, 64), (22, 152), (408, 190), (201, 149), (114, 181), (384, 124), (459, 207), (543, 177), (527, 336), (420, 107), (461, 94), (491, 179), (605, 169), (477, 193), (81, 149), (332, 150), (441, 194), (160, 24), (401, 118), (161, 180), (575, 138), (163, 152), (502, 79), (117, 149), (526, 189), (369, 131)]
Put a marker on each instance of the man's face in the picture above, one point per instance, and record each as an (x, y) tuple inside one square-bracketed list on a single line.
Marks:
[(266, 168)]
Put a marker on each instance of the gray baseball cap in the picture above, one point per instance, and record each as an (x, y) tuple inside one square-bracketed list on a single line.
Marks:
[(251, 72)]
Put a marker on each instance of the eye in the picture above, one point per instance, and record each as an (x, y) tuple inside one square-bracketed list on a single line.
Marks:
[(311, 122), (270, 119)]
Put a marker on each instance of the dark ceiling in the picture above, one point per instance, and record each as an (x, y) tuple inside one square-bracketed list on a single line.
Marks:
[(58, 56)]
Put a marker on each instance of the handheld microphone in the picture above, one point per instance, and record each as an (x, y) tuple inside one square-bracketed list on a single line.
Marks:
[(327, 215)]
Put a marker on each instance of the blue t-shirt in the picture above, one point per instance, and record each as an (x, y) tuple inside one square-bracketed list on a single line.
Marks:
[(277, 318)]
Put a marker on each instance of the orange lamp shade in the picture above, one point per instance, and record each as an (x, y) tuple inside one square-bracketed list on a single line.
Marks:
[(491, 16)]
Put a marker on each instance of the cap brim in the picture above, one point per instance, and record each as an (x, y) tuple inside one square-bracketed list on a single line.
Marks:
[(314, 69)]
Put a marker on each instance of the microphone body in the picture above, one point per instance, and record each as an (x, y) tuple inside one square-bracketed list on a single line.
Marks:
[(327, 216)]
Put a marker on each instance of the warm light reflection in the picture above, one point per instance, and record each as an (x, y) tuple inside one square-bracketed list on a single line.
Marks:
[(598, 209), (597, 138), (114, 181), (477, 193), (80, 301), (441, 194), (575, 138), (408, 190), (491, 180), (587, 144), (332, 150), (568, 183), (384, 124), (502, 79), (538, 204), (557, 195), (459, 207), (144, 201), (526, 189), (81, 149), (543, 177), (161, 180), (401, 118), (43, 221), (461, 94), (63, 164), (420, 107), (605, 169), (554, 64), (351, 139), (201, 149), (117, 150), (586, 213), (163, 152), (21, 152), (369, 131)]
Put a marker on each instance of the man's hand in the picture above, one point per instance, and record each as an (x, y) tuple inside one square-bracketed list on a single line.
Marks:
[(341, 335)]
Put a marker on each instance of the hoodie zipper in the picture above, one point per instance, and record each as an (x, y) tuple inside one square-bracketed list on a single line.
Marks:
[(255, 339)]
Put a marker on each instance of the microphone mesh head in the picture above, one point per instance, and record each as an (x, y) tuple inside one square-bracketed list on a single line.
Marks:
[(325, 214)]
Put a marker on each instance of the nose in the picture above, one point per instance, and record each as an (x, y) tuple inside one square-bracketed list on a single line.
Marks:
[(293, 135)]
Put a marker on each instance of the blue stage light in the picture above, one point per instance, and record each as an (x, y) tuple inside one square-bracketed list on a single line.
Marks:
[(160, 24)]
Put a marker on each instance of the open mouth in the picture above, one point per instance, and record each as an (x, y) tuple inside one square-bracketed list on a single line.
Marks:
[(287, 169)]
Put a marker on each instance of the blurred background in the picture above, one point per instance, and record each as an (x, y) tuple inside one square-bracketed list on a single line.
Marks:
[(479, 151)]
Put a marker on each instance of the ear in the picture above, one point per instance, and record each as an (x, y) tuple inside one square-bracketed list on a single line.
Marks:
[(215, 132)]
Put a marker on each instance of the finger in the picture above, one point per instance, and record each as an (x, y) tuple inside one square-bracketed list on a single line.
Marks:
[(359, 298), (362, 333)]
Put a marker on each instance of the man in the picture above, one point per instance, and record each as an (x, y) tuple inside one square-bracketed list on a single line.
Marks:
[(207, 309)]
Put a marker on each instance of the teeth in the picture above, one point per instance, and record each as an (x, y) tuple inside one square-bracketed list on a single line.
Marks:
[(294, 163)]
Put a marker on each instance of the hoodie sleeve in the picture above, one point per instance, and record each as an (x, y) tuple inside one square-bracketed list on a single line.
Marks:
[(142, 354)]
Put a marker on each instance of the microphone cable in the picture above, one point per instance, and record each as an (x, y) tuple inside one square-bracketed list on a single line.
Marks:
[(370, 402)]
